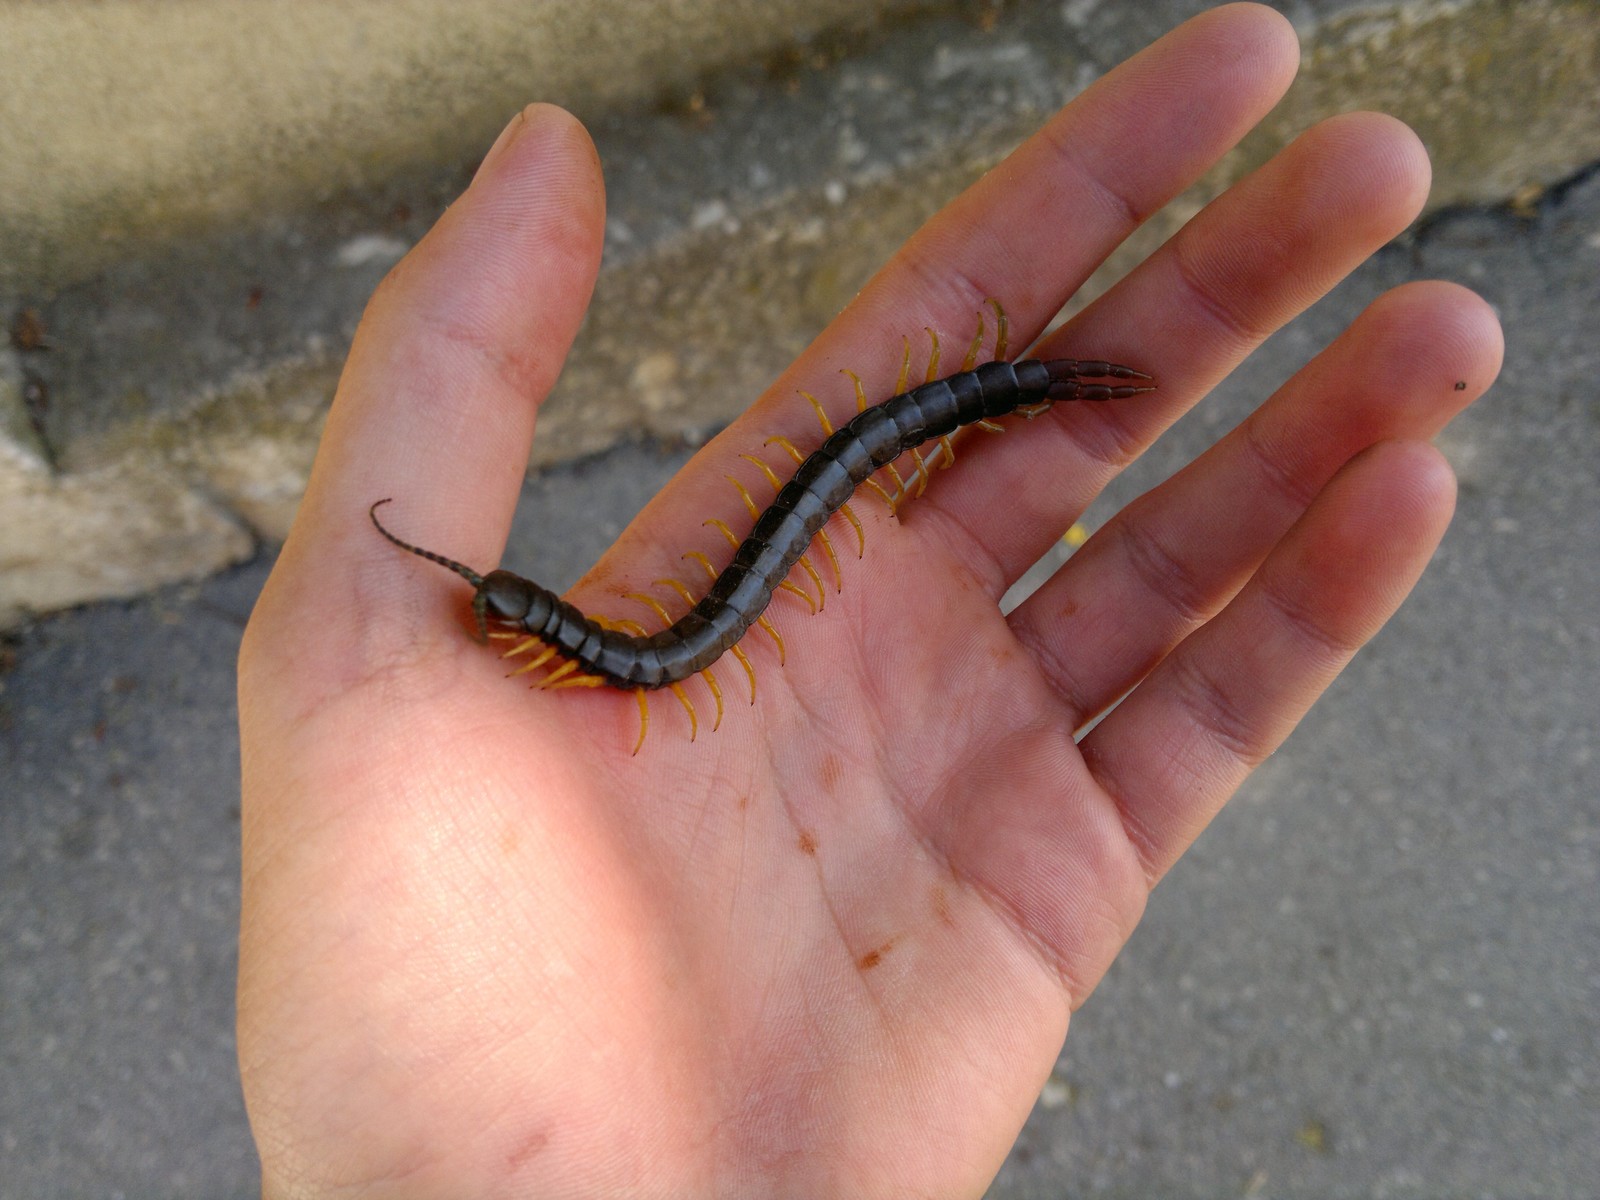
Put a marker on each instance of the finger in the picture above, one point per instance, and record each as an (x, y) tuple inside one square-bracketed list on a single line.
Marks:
[(1033, 229), (1173, 752), (1169, 561), (436, 405), (1028, 234), (1255, 258)]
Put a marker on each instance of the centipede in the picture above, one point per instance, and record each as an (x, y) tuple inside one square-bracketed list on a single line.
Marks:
[(585, 650)]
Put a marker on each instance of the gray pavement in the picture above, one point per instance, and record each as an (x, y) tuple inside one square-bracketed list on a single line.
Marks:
[(1377, 975)]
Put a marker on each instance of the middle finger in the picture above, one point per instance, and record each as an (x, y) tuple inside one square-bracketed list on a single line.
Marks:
[(1248, 263)]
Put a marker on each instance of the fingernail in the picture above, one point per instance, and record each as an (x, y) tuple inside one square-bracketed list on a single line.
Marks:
[(502, 143)]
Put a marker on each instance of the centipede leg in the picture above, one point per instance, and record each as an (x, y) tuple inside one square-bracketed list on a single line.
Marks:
[(861, 406), (822, 417), (682, 589), (688, 707), (833, 559), (651, 603), (535, 663), (1002, 342), (583, 681), (744, 661), (971, 358), (716, 694), (774, 635), (561, 672), (521, 647), (822, 592), (644, 717), (900, 386), (1002, 330), (655, 606)]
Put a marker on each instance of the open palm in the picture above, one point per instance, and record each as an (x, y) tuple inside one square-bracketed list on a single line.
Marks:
[(833, 947)]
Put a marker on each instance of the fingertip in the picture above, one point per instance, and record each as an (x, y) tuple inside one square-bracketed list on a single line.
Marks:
[(1384, 160), (1421, 478), (1267, 37), (545, 147), (538, 195), (1469, 326), (1441, 334), (1381, 519)]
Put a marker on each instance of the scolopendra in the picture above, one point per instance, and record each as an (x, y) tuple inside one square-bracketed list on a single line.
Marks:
[(591, 651)]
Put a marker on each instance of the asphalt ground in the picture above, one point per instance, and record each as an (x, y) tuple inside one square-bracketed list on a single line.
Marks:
[(1378, 974)]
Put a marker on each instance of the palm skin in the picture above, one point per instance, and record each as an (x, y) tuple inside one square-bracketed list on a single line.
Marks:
[(831, 949)]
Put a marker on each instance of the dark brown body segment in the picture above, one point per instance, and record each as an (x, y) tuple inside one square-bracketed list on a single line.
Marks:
[(821, 485)]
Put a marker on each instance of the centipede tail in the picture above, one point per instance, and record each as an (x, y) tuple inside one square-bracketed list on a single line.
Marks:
[(594, 651)]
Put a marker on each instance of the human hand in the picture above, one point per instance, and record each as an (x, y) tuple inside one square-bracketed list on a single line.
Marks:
[(833, 948)]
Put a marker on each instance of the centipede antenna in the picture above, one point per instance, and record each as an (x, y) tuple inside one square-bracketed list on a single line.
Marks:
[(465, 572)]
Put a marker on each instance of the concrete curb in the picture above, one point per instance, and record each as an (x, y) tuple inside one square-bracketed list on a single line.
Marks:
[(175, 411)]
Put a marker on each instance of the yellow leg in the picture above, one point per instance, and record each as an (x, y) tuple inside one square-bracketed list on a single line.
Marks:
[(522, 647), (971, 358), (534, 664), (561, 672), (584, 681), (1002, 330), (744, 662), (716, 694), (683, 699), (822, 593), (861, 406), (656, 606), (682, 589), (822, 417), (651, 603), (774, 635), (644, 717)]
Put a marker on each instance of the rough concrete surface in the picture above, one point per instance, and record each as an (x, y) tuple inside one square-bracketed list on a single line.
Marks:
[(127, 121), (1377, 975), (190, 372)]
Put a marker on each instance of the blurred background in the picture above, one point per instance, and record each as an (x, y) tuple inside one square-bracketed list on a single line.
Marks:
[(1377, 975)]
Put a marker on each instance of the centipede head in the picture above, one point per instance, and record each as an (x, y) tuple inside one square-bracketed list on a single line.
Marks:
[(509, 599)]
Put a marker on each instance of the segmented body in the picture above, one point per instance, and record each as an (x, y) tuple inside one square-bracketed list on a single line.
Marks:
[(822, 484)]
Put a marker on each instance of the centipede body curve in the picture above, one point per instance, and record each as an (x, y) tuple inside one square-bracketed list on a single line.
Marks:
[(621, 654)]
